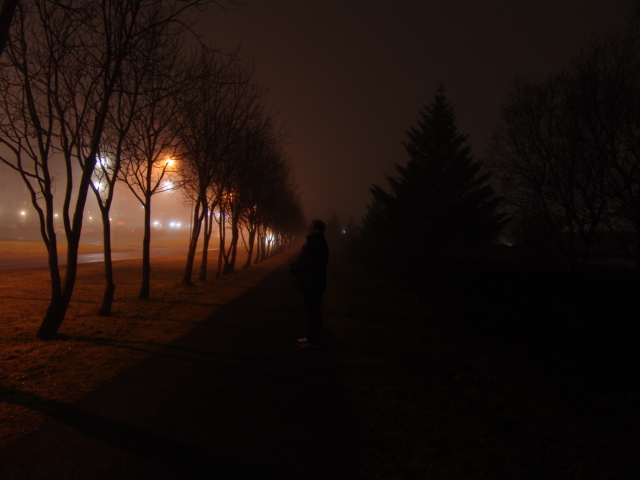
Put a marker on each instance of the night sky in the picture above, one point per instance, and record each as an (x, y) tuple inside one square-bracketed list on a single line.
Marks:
[(349, 77)]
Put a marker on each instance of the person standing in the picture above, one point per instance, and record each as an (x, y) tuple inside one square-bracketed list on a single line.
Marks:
[(310, 270)]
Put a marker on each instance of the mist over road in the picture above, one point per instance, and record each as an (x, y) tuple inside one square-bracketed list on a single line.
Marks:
[(42, 261)]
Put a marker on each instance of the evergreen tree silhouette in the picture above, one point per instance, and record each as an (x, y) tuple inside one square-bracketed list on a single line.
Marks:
[(440, 202)]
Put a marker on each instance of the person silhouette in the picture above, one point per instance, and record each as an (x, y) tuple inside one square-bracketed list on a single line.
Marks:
[(310, 270)]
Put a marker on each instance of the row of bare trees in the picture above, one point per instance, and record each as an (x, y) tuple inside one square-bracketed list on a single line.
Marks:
[(96, 94), (567, 152), (232, 166)]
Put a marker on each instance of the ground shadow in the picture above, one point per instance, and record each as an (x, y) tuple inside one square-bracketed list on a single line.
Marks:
[(187, 460)]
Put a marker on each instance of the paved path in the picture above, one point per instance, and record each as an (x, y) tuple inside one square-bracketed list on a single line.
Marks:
[(235, 398)]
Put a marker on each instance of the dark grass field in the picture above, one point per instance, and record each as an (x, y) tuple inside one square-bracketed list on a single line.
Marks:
[(492, 372), (459, 372)]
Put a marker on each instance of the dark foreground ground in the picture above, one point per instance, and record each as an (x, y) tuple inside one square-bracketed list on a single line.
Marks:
[(473, 373)]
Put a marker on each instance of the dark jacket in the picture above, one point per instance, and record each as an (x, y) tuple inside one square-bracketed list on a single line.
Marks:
[(310, 268)]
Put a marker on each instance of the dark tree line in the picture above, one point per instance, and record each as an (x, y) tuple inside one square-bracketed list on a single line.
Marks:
[(61, 68), (567, 153), (232, 168), (564, 160), (96, 94)]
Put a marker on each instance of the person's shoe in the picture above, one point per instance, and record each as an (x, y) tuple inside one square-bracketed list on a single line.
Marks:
[(304, 343)]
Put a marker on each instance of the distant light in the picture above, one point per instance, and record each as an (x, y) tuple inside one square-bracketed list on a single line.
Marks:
[(156, 223), (22, 213), (344, 232), (55, 215)]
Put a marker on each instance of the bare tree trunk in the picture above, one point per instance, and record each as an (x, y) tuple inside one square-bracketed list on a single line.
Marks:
[(145, 288), (222, 236), (60, 303), (263, 250), (198, 215), (110, 287), (60, 298), (266, 248), (53, 318), (208, 229), (252, 239), (258, 246), (55, 312), (231, 265)]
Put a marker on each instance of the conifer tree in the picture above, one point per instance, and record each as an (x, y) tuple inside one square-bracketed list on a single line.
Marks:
[(440, 202)]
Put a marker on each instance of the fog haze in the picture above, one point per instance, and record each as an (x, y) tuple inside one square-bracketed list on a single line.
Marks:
[(349, 78)]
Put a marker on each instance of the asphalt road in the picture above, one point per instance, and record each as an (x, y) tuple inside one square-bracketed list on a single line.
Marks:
[(41, 262), (235, 398)]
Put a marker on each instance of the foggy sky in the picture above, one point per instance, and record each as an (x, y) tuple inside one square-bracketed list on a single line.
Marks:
[(349, 77)]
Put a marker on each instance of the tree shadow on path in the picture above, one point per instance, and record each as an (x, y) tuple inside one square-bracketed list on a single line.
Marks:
[(187, 460)]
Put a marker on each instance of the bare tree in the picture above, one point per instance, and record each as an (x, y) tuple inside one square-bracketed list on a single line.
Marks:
[(42, 80), (254, 131), (62, 67), (152, 142), (229, 140), (226, 108), (206, 125), (114, 146), (254, 189), (567, 149), (534, 162), (614, 66), (270, 179), (279, 212)]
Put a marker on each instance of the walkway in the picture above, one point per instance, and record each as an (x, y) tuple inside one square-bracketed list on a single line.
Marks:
[(235, 398)]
